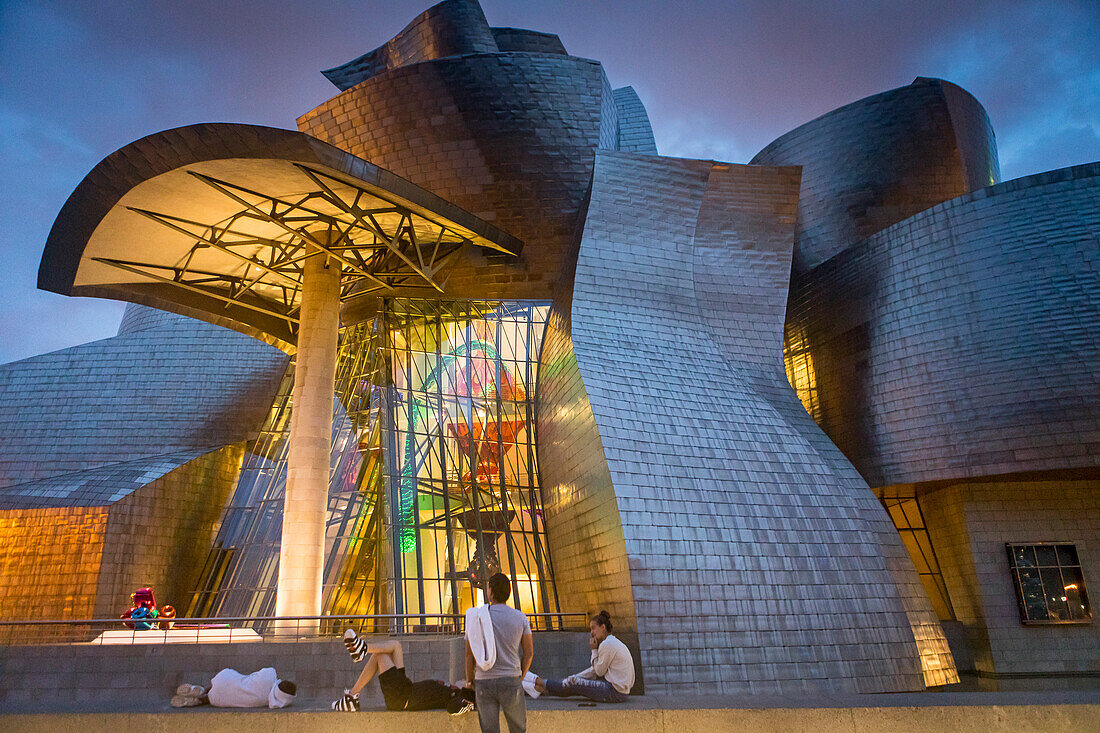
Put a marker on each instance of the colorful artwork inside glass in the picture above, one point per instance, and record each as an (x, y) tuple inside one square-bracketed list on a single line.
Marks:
[(467, 498), (434, 484)]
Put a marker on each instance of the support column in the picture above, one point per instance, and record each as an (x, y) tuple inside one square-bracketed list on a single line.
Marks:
[(302, 552)]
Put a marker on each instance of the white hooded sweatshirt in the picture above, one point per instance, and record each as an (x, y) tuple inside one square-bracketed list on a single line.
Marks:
[(231, 689)]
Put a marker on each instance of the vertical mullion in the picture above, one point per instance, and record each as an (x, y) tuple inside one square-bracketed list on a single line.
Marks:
[(447, 518), (475, 486), (410, 326), (533, 481), (498, 367)]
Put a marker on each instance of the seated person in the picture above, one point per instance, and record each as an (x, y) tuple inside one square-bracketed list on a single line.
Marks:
[(231, 689), (611, 675), (388, 662)]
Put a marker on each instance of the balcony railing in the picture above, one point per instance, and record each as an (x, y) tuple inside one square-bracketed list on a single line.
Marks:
[(252, 628)]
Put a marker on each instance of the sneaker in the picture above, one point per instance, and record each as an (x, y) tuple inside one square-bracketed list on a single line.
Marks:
[(356, 648), (529, 685), (186, 701), (348, 703), (465, 707), (189, 690)]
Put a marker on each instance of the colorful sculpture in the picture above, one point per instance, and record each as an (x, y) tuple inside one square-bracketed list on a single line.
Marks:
[(142, 613), (167, 612)]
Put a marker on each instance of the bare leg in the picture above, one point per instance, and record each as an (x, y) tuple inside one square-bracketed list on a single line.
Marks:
[(392, 649), (383, 656), (369, 670)]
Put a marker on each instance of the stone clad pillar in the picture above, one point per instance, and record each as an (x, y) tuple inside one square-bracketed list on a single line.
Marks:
[(301, 554)]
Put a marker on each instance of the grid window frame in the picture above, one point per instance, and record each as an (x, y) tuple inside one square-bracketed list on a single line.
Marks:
[(1033, 566)]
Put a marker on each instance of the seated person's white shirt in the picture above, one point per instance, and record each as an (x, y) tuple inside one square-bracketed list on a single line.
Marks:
[(231, 689), (612, 661)]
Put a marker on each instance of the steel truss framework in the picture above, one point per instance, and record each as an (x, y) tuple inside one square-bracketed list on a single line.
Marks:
[(432, 443), (463, 478), (254, 257)]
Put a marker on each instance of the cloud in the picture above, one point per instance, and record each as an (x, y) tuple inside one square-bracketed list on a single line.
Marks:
[(1058, 148), (698, 137), (1035, 67), (720, 80)]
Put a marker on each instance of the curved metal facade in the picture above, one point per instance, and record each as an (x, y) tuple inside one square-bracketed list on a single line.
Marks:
[(872, 163), (509, 137), (961, 342), (635, 135), (140, 318), (175, 386), (720, 478), (116, 457), (450, 28)]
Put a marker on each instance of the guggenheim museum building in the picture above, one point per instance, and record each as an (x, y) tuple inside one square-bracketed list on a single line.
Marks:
[(825, 421)]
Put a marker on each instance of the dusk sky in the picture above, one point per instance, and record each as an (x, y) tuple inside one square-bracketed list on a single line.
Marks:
[(720, 80)]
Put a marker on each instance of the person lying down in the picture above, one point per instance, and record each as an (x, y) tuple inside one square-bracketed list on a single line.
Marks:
[(386, 660), (231, 689)]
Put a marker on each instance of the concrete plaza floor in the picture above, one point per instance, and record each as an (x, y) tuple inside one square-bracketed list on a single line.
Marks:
[(983, 712)]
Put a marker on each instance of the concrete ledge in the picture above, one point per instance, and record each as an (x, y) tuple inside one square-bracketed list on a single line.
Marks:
[(141, 678), (916, 719)]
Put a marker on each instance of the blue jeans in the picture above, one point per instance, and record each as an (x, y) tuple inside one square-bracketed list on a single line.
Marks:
[(598, 690), (495, 695)]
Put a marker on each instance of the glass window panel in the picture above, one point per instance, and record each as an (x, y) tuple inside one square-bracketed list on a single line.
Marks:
[(926, 550), (1024, 556), (1073, 584), (1046, 556), (912, 513), (1031, 591), (907, 536), (939, 601), (897, 515), (1054, 592), (1063, 595), (1067, 555)]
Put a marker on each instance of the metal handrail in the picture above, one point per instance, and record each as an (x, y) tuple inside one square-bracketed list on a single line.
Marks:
[(271, 627), (224, 619)]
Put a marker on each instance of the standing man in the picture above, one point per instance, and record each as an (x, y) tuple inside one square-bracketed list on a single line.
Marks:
[(498, 671)]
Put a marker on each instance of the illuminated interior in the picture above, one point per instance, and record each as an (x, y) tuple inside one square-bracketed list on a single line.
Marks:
[(434, 484), (464, 496), (800, 370)]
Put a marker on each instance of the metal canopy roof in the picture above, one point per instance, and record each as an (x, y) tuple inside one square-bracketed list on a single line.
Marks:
[(214, 221)]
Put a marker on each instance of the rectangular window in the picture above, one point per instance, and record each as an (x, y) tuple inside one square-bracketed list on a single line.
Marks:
[(1049, 585), (800, 370), (908, 519)]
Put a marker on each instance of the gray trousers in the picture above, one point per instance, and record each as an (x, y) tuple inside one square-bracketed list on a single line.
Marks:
[(501, 694), (599, 690)]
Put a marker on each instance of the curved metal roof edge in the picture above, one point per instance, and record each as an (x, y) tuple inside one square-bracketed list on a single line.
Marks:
[(917, 83), (109, 181)]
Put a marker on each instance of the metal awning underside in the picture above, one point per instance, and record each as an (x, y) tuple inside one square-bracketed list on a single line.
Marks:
[(215, 221)]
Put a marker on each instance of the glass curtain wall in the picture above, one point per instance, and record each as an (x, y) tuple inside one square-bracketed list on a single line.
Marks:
[(434, 480), (461, 474), (904, 509), (800, 369)]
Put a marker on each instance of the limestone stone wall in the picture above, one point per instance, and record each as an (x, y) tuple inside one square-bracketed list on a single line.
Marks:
[(969, 525)]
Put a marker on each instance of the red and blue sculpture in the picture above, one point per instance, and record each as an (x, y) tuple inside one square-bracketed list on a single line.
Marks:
[(143, 613)]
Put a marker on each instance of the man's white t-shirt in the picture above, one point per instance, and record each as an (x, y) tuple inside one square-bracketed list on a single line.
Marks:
[(509, 627), (231, 689)]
